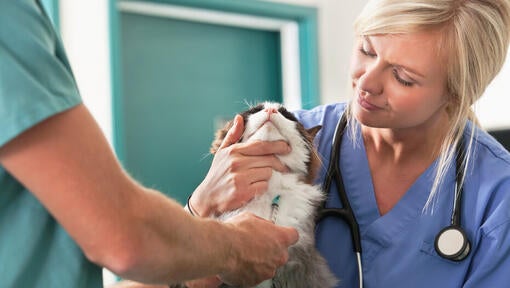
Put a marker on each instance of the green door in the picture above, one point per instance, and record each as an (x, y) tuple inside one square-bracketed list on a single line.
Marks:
[(179, 80)]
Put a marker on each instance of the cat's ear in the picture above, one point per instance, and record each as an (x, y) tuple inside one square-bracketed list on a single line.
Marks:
[(314, 130), (219, 136)]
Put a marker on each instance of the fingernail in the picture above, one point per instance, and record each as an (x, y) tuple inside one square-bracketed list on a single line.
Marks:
[(235, 121)]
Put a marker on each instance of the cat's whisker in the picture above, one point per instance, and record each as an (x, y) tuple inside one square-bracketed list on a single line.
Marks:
[(248, 104), (205, 156)]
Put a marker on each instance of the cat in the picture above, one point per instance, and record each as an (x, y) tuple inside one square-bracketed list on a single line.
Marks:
[(291, 199)]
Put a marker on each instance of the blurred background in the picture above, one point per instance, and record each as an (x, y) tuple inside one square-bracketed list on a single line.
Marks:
[(160, 76)]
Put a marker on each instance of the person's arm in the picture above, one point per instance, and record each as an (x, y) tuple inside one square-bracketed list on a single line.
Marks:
[(133, 231)]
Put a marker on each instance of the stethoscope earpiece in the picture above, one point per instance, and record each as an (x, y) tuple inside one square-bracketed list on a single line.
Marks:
[(452, 243)]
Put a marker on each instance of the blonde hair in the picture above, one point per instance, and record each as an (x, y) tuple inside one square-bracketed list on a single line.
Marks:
[(475, 38)]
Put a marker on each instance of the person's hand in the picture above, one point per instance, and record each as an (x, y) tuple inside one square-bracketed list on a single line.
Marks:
[(259, 247), (238, 173)]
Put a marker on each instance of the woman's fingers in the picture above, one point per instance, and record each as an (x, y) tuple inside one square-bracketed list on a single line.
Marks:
[(259, 174), (251, 162), (252, 182), (260, 148)]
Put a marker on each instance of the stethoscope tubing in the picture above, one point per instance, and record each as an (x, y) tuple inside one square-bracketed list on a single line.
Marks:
[(346, 212)]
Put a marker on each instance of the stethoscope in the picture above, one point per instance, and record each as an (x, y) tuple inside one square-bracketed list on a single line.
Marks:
[(451, 242)]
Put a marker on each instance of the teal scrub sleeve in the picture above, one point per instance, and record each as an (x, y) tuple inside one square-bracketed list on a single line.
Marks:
[(36, 81)]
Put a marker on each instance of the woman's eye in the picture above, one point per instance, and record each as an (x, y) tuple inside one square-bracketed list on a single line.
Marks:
[(400, 80), (366, 52)]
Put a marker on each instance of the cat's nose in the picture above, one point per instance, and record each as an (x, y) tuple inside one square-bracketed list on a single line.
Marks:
[(271, 110)]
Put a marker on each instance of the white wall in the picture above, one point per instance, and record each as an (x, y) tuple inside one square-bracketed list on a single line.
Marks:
[(335, 43), (85, 34), (493, 108), (84, 30)]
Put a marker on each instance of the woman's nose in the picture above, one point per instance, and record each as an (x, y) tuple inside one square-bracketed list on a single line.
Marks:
[(371, 81), (367, 74)]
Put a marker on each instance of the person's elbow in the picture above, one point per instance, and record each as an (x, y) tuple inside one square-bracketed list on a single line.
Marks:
[(123, 259)]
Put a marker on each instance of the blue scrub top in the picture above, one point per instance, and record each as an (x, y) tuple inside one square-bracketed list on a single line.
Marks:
[(398, 248), (35, 83)]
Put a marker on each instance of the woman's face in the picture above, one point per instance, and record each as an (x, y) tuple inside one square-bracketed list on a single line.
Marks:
[(399, 80)]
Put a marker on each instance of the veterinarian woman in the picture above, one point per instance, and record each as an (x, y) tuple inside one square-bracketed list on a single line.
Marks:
[(66, 205), (412, 158)]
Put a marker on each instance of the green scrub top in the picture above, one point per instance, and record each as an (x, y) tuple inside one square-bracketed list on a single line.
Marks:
[(36, 82)]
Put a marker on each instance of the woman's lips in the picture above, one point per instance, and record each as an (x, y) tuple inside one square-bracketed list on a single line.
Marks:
[(367, 105)]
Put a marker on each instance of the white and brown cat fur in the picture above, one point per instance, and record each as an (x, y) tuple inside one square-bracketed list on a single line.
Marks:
[(299, 199)]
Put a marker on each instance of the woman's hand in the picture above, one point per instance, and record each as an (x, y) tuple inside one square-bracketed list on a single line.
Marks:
[(238, 173)]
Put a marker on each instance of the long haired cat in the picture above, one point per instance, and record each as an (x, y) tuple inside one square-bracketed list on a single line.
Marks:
[(291, 199)]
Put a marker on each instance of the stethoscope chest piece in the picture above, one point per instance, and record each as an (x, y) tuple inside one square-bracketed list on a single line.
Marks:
[(452, 243)]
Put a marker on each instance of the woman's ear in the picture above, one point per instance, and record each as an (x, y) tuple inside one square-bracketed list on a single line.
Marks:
[(452, 103)]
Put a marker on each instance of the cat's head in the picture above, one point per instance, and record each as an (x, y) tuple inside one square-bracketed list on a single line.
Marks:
[(271, 122)]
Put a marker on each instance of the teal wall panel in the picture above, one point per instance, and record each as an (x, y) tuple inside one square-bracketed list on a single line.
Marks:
[(178, 78), (304, 16)]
